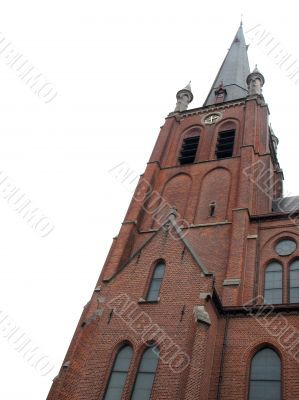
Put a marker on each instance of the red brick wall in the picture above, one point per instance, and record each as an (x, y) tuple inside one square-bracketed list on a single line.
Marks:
[(233, 245)]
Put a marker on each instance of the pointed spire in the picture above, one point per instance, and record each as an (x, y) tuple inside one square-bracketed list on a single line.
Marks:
[(231, 78)]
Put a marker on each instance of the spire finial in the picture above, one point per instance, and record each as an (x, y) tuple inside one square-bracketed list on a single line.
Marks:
[(241, 22)]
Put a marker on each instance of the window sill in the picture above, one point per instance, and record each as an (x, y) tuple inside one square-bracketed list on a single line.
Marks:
[(142, 301)]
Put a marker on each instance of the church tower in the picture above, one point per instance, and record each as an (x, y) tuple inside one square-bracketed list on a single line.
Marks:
[(199, 295)]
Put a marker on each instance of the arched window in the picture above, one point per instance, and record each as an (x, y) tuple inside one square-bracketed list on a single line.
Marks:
[(225, 144), (265, 376), (119, 374), (189, 148), (154, 289), (273, 283), (146, 374), (294, 282)]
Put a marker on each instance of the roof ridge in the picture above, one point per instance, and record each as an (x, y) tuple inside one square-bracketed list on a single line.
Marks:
[(170, 219)]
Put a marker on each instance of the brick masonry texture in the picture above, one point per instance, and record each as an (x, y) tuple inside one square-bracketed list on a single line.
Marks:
[(235, 244)]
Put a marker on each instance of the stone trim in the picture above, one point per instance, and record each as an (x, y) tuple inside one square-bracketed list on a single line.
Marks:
[(201, 315), (232, 282)]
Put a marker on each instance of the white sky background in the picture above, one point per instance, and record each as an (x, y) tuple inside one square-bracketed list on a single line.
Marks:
[(117, 67)]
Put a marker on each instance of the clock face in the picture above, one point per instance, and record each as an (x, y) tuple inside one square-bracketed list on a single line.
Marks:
[(212, 119), (285, 247)]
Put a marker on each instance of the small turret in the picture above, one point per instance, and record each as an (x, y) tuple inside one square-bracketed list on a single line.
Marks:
[(255, 82), (275, 140), (184, 98)]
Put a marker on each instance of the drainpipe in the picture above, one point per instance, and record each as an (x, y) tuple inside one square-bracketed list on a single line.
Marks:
[(257, 259), (222, 358)]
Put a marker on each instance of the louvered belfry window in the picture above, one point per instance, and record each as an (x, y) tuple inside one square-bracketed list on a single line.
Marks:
[(225, 144), (188, 150)]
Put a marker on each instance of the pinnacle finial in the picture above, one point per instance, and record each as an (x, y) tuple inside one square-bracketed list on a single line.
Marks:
[(173, 211), (188, 87), (256, 68)]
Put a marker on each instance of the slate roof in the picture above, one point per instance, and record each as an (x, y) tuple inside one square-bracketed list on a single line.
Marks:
[(233, 72), (286, 204)]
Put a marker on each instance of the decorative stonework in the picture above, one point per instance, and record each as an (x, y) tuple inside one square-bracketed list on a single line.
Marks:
[(204, 110), (252, 237), (211, 119), (141, 300), (97, 314), (205, 296), (231, 282), (201, 315), (66, 364), (101, 299)]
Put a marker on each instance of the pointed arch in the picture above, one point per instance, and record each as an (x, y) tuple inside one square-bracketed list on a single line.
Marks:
[(189, 145), (265, 375), (294, 281), (174, 194), (146, 374), (281, 236), (215, 189), (154, 288), (273, 286), (226, 124), (119, 373), (226, 138)]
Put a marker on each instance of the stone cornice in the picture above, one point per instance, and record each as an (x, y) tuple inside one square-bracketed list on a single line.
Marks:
[(252, 310), (217, 107), (206, 109)]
